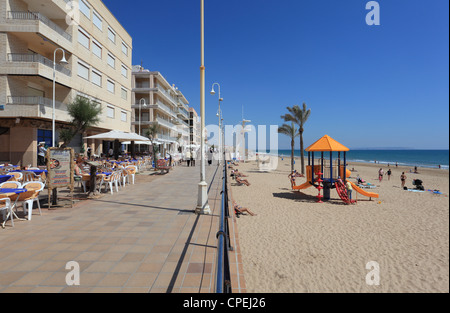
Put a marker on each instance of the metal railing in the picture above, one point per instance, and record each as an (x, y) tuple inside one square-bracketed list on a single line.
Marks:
[(223, 279), (32, 100), (34, 57), (36, 16)]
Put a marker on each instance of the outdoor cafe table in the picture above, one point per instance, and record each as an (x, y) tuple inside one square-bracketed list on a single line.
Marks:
[(4, 178), (8, 192), (37, 172)]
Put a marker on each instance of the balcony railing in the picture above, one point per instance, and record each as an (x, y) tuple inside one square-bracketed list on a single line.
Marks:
[(142, 85), (36, 16), (27, 100), (166, 137), (165, 122), (165, 108), (34, 57)]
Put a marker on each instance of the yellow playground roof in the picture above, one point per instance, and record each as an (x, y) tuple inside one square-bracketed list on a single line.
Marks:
[(326, 143)]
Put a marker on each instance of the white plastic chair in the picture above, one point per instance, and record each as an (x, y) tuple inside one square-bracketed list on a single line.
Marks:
[(111, 180), (17, 176), (11, 185), (5, 207), (124, 176), (30, 176), (28, 204), (132, 172)]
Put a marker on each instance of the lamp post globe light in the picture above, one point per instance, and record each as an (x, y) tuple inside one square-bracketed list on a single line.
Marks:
[(140, 116), (63, 61), (202, 200), (213, 92)]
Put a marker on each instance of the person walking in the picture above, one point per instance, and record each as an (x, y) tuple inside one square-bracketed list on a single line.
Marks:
[(188, 158), (389, 173), (380, 174), (42, 151), (210, 156), (89, 152)]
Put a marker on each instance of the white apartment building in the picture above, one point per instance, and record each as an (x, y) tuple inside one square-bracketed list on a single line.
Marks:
[(157, 101), (194, 127), (99, 54)]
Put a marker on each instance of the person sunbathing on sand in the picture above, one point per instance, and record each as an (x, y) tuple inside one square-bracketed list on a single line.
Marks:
[(240, 210), (242, 181), (239, 174)]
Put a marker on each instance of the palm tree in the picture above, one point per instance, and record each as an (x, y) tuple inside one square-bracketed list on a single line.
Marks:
[(151, 133), (84, 114), (299, 116), (291, 131)]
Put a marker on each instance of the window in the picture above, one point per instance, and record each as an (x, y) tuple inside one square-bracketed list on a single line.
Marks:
[(124, 71), (97, 78), (111, 35), (111, 86), (124, 94), (111, 61), (98, 21), (83, 70), (110, 111), (83, 38), (45, 135), (96, 48), (124, 48), (85, 9), (123, 116)]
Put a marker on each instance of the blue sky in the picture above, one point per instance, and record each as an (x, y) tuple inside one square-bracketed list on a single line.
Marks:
[(367, 86)]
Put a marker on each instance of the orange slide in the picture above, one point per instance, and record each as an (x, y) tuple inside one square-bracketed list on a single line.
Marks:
[(364, 193), (303, 186)]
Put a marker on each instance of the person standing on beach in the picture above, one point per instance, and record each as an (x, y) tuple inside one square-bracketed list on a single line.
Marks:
[(389, 173), (380, 174), (403, 179), (349, 187)]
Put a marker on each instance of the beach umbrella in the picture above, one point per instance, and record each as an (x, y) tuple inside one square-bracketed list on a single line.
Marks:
[(118, 137)]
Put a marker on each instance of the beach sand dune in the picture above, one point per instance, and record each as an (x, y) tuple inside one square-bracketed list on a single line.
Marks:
[(296, 245)]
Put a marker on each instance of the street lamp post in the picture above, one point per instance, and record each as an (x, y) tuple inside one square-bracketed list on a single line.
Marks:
[(140, 117), (63, 61), (202, 200), (220, 118)]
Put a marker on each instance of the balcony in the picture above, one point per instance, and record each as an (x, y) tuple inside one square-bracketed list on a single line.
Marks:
[(166, 94), (37, 58), (164, 108), (29, 100), (167, 137), (28, 106), (166, 123), (36, 16)]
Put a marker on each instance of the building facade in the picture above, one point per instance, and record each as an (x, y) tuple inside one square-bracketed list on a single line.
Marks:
[(156, 101), (99, 54), (194, 128)]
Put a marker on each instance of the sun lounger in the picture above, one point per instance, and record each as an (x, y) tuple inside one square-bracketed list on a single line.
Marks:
[(163, 167)]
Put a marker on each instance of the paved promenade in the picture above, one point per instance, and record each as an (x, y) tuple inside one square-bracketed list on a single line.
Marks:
[(146, 238)]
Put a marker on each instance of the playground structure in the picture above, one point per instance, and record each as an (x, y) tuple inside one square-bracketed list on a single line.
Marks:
[(328, 174)]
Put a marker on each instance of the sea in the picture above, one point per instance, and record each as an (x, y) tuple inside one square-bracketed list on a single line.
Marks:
[(419, 158)]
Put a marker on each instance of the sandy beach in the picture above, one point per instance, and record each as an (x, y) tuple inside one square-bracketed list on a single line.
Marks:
[(296, 245)]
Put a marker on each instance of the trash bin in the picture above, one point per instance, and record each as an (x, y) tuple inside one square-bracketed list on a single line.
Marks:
[(326, 191)]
